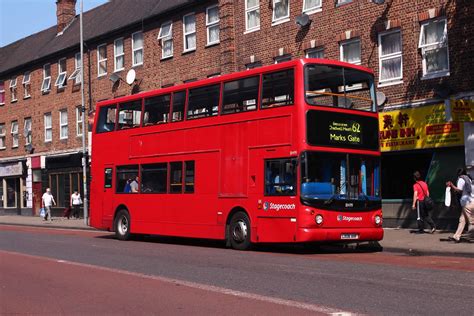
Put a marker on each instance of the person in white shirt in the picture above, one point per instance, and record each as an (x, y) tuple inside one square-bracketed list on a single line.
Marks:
[(464, 186), (47, 202), (76, 203)]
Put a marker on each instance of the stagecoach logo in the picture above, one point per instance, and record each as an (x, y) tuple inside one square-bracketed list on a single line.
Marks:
[(277, 207), (341, 218)]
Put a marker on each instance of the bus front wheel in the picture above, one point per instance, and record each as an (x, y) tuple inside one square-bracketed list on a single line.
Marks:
[(239, 231), (122, 225)]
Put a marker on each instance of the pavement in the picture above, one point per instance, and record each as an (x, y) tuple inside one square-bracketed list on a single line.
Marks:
[(395, 240)]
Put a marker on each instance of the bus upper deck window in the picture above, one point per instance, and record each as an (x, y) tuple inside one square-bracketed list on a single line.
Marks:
[(130, 114), (278, 89), (107, 117)]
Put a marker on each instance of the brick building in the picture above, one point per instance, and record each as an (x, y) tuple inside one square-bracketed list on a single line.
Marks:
[(420, 50)]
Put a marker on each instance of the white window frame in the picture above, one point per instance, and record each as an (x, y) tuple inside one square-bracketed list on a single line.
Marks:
[(116, 56), (210, 25), (348, 42), (187, 49), (248, 10), (311, 10), (14, 133), (77, 73), (103, 60), (2, 91), (62, 125), (27, 130), (46, 84), (79, 118), (433, 46), (136, 49), (13, 90), (340, 2), (314, 50), (164, 38), (282, 19), (26, 85), (390, 56), (48, 127), (62, 74), (3, 133)]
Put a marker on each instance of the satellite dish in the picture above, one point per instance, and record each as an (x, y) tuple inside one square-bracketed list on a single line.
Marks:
[(302, 20), (131, 75), (114, 78), (381, 98)]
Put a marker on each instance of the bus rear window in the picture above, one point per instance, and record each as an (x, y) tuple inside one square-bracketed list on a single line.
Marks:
[(278, 89), (107, 117)]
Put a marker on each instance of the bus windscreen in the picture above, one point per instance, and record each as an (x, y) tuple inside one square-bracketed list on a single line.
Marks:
[(339, 87)]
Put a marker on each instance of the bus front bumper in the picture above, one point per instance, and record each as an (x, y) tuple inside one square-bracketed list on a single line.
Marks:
[(339, 234)]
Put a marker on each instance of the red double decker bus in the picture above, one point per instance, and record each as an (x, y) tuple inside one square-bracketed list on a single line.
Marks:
[(279, 154)]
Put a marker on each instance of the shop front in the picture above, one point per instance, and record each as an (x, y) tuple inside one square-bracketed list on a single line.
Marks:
[(430, 139), (63, 175), (14, 195)]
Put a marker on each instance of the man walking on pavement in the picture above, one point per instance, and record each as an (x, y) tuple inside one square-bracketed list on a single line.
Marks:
[(48, 201)]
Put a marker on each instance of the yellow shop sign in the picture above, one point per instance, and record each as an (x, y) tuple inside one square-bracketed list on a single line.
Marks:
[(418, 128), (462, 110)]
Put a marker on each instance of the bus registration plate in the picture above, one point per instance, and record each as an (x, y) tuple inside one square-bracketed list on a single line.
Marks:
[(349, 236)]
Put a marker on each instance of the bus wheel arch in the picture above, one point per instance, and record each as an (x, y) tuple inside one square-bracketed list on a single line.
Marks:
[(122, 223), (238, 229)]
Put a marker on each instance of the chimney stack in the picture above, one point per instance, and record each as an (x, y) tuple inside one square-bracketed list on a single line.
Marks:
[(65, 13)]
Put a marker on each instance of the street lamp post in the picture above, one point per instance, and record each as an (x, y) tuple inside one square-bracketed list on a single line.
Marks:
[(83, 110)]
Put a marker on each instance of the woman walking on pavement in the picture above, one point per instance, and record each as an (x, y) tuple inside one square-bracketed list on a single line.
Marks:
[(420, 191)]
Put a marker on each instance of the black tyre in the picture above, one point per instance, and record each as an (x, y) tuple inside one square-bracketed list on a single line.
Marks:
[(239, 231), (122, 225)]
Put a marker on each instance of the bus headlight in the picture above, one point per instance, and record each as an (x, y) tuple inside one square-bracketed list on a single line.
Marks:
[(378, 220), (319, 219)]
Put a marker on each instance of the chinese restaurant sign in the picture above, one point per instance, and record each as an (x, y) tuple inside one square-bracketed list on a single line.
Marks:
[(418, 128), (462, 110)]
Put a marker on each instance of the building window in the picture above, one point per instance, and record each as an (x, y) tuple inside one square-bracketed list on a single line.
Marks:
[(26, 85), (27, 131), (189, 27), (63, 129), (137, 48), (390, 56), (2, 92), (46, 85), (76, 74), (311, 6), (434, 48), (212, 25), (315, 53), (14, 132), (3, 144), (339, 2), (101, 60), (79, 118), (282, 58), (62, 74), (252, 15), (48, 127), (350, 51), (166, 37), (13, 89), (119, 55), (281, 10)]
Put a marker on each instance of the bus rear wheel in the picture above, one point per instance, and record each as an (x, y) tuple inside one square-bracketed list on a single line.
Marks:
[(239, 231), (122, 225)]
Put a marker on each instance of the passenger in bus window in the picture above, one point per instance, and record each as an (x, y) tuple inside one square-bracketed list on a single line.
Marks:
[(127, 188), (134, 185)]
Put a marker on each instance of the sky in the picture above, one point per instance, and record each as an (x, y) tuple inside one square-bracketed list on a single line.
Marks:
[(21, 18)]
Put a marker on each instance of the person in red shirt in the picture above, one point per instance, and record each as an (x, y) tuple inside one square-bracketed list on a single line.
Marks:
[(420, 190)]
